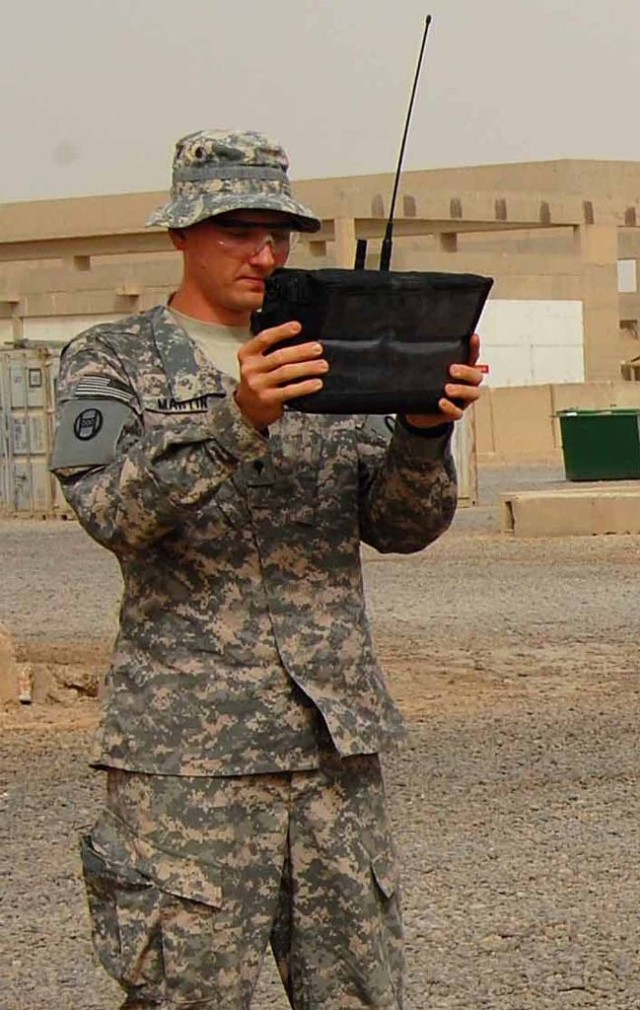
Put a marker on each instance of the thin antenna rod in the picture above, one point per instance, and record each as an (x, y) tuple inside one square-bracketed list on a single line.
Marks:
[(387, 242)]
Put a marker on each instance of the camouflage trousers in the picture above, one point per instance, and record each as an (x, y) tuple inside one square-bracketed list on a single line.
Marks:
[(190, 879)]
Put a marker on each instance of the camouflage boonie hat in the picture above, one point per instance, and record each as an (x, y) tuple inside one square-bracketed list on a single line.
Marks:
[(215, 171)]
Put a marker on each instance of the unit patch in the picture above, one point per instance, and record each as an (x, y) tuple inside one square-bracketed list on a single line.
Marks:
[(88, 432), (88, 424)]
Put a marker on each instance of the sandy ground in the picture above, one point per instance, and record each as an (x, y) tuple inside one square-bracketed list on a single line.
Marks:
[(515, 800)]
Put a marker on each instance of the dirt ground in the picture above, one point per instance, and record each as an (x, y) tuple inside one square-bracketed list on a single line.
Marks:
[(515, 799)]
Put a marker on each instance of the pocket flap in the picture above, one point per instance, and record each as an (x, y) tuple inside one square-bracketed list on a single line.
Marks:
[(180, 875), (172, 872), (105, 873), (383, 869)]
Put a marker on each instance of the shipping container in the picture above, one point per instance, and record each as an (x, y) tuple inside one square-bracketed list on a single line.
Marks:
[(27, 421)]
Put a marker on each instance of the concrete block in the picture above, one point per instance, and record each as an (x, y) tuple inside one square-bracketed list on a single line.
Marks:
[(583, 511)]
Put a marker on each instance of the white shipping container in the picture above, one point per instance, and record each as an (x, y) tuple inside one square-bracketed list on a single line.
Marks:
[(27, 422)]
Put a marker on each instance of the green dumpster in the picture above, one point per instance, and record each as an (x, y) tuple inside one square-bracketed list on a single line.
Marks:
[(601, 444)]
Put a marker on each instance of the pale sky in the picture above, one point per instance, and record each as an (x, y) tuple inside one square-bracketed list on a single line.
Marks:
[(94, 93)]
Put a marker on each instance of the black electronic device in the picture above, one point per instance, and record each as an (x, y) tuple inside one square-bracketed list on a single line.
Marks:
[(389, 337)]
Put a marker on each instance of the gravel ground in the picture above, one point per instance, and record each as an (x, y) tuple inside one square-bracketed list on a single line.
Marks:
[(515, 800)]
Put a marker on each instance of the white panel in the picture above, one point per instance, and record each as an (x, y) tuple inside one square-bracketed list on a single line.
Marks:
[(627, 280), (508, 366), (548, 366), (527, 342)]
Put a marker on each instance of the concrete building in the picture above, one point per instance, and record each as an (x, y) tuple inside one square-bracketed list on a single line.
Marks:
[(560, 238)]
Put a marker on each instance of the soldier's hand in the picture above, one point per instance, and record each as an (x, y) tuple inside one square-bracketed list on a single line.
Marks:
[(268, 380), (466, 391)]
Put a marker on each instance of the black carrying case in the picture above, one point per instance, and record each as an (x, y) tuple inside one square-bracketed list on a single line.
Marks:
[(389, 337)]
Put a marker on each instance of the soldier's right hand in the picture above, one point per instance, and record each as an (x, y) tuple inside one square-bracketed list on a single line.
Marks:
[(269, 379)]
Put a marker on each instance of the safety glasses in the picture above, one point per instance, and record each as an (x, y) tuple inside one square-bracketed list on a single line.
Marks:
[(244, 239)]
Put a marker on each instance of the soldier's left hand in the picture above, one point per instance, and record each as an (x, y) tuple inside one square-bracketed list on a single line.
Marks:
[(466, 391)]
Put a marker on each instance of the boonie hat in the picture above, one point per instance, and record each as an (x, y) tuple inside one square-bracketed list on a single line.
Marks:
[(215, 171)]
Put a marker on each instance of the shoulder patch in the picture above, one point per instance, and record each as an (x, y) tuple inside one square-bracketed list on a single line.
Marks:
[(94, 386), (88, 432)]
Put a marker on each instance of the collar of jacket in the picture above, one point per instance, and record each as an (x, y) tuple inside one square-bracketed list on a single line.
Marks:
[(189, 372)]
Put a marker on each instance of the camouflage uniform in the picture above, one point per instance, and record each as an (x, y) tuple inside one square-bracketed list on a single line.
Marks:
[(244, 708), (189, 879)]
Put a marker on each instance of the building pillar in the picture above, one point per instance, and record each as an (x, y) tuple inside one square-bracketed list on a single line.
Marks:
[(597, 247), (17, 322), (345, 241)]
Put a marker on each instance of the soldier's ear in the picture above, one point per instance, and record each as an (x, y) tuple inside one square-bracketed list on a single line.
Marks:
[(178, 238)]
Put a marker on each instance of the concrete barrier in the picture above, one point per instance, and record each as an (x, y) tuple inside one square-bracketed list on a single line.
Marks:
[(517, 424), (583, 511)]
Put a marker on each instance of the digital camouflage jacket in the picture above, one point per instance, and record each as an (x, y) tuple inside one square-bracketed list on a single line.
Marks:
[(243, 634)]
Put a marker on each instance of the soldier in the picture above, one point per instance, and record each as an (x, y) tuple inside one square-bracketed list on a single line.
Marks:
[(245, 711)]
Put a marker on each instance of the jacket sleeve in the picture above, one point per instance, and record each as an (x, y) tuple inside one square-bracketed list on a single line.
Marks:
[(407, 486), (129, 486)]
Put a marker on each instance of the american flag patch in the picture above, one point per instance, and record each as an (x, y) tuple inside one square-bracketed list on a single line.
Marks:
[(100, 387)]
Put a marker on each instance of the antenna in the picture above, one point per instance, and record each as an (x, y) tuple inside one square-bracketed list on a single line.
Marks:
[(361, 254), (387, 242)]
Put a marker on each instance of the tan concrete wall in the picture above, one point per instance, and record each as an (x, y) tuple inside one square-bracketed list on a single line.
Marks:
[(515, 422), (58, 330), (543, 230), (518, 424)]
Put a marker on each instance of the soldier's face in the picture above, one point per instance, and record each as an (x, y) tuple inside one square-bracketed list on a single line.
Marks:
[(226, 268)]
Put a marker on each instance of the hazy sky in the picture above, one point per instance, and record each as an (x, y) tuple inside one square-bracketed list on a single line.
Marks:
[(93, 93)]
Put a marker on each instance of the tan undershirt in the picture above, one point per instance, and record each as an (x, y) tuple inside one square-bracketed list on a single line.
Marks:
[(219, 343)]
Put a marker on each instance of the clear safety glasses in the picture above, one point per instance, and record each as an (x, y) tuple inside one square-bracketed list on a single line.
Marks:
[(244, 239)]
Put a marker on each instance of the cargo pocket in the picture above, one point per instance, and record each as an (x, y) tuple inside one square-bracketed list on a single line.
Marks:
[(148, 907), (125, 919), (190, 900)]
